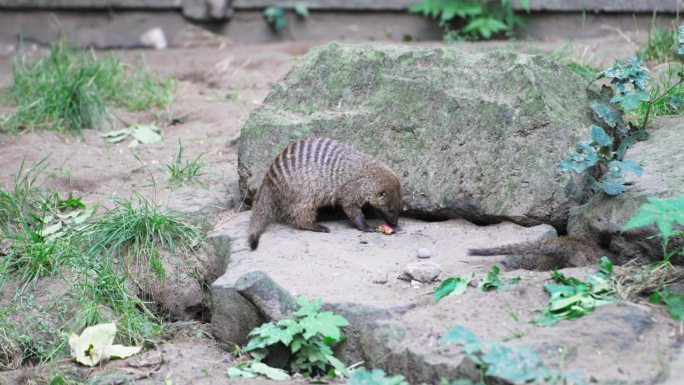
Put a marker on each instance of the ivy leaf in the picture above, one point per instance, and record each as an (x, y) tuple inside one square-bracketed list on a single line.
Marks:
[(327, 324), (664, 212), (452, 286), (631, 100), (607, 113), (301, 9), (517, 366), (375, 377), (270, 372), (307, 307), (491, 280), (485, 26), (460, 335), (275, 16), (599, 136)]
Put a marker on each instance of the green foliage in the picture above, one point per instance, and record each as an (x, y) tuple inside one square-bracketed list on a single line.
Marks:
[(496, 360), (610, 138), (457, 285), (674, 302), (491, 281), (572, 298), (665, 213), (452, 286), (475, 18), (184, 171), (309, 335), (69, 90), (276, 17), (660, 46), (374, 377), (136, 233)]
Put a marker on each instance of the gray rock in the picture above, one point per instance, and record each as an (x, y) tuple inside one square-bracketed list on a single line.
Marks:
[(424, 272), (154, 38), (233, 316), (423, 252), (492, 127), (267, 296), (603, 217)]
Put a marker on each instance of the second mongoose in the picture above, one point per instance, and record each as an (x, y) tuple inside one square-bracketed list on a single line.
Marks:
[(311, 173), (546, 254)]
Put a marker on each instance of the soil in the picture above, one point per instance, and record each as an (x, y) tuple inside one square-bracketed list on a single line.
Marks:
[(217, 89)]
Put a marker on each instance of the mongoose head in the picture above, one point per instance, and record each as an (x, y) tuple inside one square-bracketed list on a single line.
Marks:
[(387, 200)]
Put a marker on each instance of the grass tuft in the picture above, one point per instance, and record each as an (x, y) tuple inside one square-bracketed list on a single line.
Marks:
[(69, 90), (180, 171), (135, 234), (660, 47)]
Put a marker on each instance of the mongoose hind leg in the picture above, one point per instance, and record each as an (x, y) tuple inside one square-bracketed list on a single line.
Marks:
[(356, 215), (303, 215)]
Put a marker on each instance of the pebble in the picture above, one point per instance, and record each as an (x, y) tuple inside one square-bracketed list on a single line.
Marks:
[(424, 272), (380, 279), (423, 252)]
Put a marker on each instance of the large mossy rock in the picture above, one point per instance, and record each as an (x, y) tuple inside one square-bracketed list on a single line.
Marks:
[(470, 135), (603, 217)]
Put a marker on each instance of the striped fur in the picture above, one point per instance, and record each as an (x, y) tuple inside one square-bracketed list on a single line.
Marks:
[(312, 173)]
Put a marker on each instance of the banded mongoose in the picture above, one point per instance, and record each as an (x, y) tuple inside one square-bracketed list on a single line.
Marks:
[(547, 254), (312, 173)]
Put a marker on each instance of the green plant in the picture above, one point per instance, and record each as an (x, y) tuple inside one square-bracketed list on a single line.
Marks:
[(455, 285), (103, 294), (674, 302), (181, 172), (660, 46), (137, 232), (275, 14), (496, 360), (374, 377), (603, 154), (491, 281), (309, 335), (68, 90), (479, 18), (665, 213), (572, 298)]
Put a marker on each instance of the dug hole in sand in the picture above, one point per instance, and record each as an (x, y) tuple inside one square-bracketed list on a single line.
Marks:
[(396, 326)]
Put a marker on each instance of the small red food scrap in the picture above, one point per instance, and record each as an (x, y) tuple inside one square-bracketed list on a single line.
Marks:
[(385, 229)]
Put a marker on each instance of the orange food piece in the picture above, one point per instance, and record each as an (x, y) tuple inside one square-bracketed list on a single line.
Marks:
[(385, 229)]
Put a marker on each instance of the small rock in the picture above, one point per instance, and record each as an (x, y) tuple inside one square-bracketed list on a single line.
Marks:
[(423, 252), (424, 272), (154, 38), (380, 279), (415, 284)]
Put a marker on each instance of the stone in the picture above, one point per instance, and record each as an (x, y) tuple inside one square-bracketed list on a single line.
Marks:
[(424, 272), (603, 217), (267, 296), (423, 252), (154, 38), (492, 126), (380, 279)]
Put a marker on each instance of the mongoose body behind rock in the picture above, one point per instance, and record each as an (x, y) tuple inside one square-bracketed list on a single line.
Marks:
[(546, 254), (312, 173)]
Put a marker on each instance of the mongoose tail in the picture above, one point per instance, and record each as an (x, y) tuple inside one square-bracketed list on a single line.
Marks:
[(554, 247), (547, 254), (263, 212)]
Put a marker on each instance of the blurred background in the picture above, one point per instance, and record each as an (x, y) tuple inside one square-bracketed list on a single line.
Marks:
[(183, 23)]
